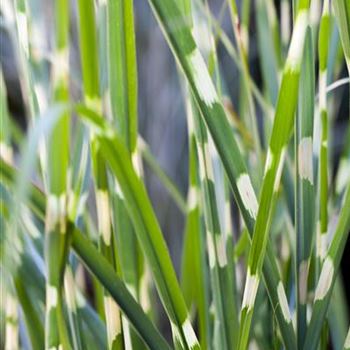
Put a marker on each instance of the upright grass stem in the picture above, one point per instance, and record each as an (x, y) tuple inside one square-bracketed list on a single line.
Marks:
[(122, 79), (190, 60), (91, 84), (96, 263), (56, 240), (328, 274), (281, 131), (323, 42), (305, 198), (216, 244), (194, 257), (45, 279)]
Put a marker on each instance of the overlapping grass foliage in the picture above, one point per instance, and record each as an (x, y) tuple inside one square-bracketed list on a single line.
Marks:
[(82, 251)]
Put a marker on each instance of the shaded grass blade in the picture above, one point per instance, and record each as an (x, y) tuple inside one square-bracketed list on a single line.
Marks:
[(328, 274), (281, 131), (305, 193), (97, 264), (181, 41)]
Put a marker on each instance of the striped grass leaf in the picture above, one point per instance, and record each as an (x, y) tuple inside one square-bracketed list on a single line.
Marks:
[(305, 192), (342, 14), (323, 42), (29, 275), (117, 289), (328, 275), (91, 85), (96, 263), (146, 226), (193, 267), (56, 243), (220, 35), (184, 48), (122, 79), (216, 242), (151, 239), (223, 37), (217, 239), (27, 165), (281, 131)]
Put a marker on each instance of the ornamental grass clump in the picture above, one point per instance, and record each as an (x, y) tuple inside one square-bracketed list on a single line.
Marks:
[(84, 260)]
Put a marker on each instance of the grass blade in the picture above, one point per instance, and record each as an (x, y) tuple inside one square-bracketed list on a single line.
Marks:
[(305, 197), (117, 289), (97, 264), (216, 243), (91, 84), (323, 42), (193, 260), (151, 238), (328, 274), (56, 244), (347, 341), (122, 76), (281, 131), (342, 14), (189, 58)]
